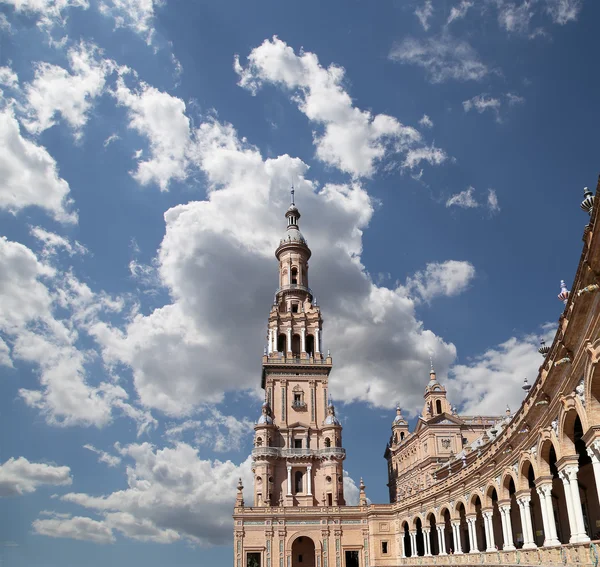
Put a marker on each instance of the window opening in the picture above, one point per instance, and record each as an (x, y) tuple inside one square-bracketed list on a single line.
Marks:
[(297, 443), (438, 406), (298, 477), (384, 547)]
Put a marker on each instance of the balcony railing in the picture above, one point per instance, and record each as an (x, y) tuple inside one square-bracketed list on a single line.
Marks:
[(280, 359), (294, 287), (299, 405), (294, 452)]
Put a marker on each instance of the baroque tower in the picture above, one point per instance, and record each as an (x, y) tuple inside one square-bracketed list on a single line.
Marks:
[(298, 450)]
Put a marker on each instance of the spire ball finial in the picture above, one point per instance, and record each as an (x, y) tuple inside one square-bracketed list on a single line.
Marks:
[(588, 201), (526, 385), (564, 292), (544, 349)]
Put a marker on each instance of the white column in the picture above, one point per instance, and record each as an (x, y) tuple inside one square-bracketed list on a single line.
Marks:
[(289, 340), (571, 514), (593, 451), (403, 545), (571, 472), (427, 545), (303, 340), (317, 345), (528, 539), (309, 479), (544, 510), (414, 551), (489, 533), (509, 544), (289, 480), (441, 540), (551, 535), (470, 530), (457, 542)]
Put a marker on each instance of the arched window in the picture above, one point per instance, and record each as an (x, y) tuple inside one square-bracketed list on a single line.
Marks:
[(298, 481), (402, 436), (327, 442), (438, 406), (310, 344), (296, 344), (281, 347), (259, 441), (294, 276)]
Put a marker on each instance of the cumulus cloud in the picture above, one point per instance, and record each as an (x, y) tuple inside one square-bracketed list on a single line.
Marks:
[(20, 476), (208, 244), (442, 57), (29, 174), (424, 13), (47, 12), (31, 293), (482, 102), (353, 140), (53, 242), (55, 90), (172, 494), (515, 19), (466, 200), (77, 527), (440, 279), (426, 122), (103, 456), (473, 384), (222, 433), (137, 15), (161, 119), (459, 11), (563, 11)]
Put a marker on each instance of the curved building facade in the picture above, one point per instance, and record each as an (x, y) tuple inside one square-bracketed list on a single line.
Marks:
[(518, 488)]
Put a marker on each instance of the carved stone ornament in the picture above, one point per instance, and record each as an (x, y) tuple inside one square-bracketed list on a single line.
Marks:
[(445, 443), (555, 426), (580, 392)]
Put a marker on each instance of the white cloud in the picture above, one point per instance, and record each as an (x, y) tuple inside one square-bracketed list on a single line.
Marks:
[(161, 119), (8, 78), (432, 155), (424, 13), (29, 174), (353, 140), (53, 242), (515, 19), (426, 122), (30, 326), (222, 433), (103, 456), (481, 103), (443, 58), (48, 12), (172, 494), (351, 491), (474, 384), (20, 476), (492, 201), (513, 99), (55, 90), (443, 279), (563, 11), (5, 359), (78, 527), (171, 351), (464, 199), (138, 15), (112, 138), (459, 11)]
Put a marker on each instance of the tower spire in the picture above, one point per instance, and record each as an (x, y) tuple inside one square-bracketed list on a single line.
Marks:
[(292, 192)]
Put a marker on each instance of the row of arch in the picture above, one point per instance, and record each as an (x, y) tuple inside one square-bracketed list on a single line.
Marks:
[(550, 497), (296, 344)]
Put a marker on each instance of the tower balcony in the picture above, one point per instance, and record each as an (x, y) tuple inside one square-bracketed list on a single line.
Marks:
[(277, 452), (294, 287)]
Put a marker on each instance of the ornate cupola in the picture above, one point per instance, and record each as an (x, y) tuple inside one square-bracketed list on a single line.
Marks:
[(436, 402), (399, 427)]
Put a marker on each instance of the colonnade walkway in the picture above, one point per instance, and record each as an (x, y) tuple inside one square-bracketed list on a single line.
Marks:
[(578, 554)]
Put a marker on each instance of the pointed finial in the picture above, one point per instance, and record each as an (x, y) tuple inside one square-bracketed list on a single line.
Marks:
[(526, 385), (432, 369), (292, 192), (507, 410), (543, 350), (588, 201), (564, 292)]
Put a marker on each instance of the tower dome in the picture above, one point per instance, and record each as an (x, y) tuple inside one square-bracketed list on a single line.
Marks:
[(265, 418), (331, 419)]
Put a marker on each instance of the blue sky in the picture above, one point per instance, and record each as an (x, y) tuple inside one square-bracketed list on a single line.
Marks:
[(439, 152)]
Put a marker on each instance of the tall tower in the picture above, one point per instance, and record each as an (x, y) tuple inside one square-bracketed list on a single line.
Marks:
[(298, 450)]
